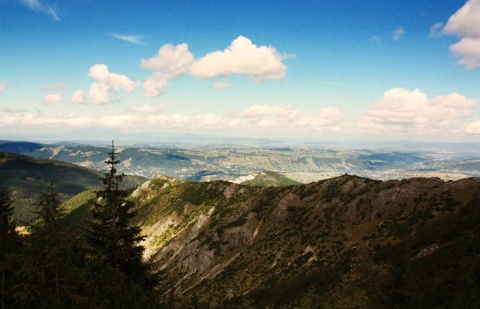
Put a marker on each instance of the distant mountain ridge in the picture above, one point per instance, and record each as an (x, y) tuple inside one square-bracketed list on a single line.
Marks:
[(304, 164)]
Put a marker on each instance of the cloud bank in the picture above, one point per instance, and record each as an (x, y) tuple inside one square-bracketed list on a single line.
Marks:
[(404, 111)]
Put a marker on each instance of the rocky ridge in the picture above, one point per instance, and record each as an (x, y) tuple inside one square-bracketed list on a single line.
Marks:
[(215, 241)]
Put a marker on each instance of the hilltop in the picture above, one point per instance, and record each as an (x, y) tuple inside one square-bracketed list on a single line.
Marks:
[(269, 178)]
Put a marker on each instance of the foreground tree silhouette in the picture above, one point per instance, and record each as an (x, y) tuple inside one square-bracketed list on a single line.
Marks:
[(111, 237), (9, 242), (48, 263)]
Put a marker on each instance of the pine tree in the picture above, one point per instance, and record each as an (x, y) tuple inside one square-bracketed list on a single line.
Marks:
[(111, 236), (9, 242), (48, 271)]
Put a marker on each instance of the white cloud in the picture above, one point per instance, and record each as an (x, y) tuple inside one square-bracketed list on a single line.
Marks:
[(466, 24), (404, 111), (469, 51), (106, 86), (3, 87), (466, 21), (148, 109), (53, 98), (242, 57), (170, 62), (78, 96), (398, 33), (130, 38), (250, 120), (36, 5), (155, 85), (221, 85), (454, 100), (473, 128), (436, 30)]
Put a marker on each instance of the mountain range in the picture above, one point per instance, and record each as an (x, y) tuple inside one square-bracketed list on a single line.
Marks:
[(302, 163), (268, 241)]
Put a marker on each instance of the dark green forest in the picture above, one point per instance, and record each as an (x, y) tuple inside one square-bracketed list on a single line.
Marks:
[(56, 266)]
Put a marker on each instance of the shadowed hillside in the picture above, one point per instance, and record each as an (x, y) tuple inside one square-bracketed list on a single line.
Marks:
[(220, 242), (25, 177)]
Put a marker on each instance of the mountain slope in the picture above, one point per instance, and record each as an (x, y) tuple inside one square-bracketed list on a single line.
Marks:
[(25, 177), (219, 241)]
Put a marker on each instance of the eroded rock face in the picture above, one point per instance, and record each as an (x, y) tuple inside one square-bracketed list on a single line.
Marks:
[(234, 239), (289, 200)]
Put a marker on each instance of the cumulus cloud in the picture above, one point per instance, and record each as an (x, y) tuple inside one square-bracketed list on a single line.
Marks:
[(170, 62), (398, 33), (148, 109), (242, 57), (466, 21), (468, 49), (405, 111), (3, 86), (466, 24), (36, 5), (106, 86), (53, 98), (260, 63), (130, 38), (155, 85), (78, 96)]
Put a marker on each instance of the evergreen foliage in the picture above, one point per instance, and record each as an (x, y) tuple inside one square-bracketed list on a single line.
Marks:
[(48, 270), (9, 242), (111, 237)]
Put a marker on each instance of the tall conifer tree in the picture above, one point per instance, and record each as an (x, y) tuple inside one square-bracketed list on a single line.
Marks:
[(48, 262), (9, 241), (111, 236)]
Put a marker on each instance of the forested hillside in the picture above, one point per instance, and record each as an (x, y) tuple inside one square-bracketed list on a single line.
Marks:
[(26, 176)]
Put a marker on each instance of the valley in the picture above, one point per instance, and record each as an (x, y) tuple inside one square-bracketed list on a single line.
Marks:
[(302, 163)]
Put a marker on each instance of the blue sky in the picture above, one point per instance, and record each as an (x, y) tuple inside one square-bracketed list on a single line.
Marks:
[(325, 69)]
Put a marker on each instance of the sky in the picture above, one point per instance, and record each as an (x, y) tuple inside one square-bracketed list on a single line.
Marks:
[(319, 69)]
